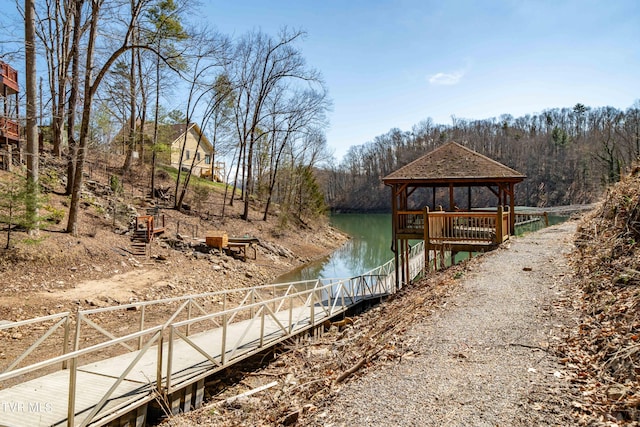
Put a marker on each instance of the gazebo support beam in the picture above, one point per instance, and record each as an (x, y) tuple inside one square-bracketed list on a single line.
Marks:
[(451, 198)]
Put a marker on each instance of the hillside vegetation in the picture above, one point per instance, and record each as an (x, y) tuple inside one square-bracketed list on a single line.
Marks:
[(604, 349), (47, 271), (569, 155)]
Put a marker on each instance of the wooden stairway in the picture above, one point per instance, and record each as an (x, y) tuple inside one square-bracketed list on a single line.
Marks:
[(144, 232), (140, 243)]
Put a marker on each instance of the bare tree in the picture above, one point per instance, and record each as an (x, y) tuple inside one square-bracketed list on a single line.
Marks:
[(261, 64), (73, 93), (303, 113), (31, 130), (54, 30), (209, 50), (165, 19), (91, 85), (132, 81)]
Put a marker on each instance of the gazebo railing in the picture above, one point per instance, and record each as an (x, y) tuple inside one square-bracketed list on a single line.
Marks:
[(410, 221), (467, 227), (455, 227)]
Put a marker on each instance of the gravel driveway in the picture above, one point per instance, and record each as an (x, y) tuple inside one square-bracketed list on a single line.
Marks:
[(483, 359)]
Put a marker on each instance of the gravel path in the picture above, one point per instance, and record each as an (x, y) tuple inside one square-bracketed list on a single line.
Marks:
[(483, 359)]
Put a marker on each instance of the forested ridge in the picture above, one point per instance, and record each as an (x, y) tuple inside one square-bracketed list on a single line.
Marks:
[(569, 155)]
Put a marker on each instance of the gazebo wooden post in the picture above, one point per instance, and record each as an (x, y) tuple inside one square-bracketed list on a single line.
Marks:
[(427, 245), (512, 209), (499, 230), (451, 199), (394, 238), (403, 242)]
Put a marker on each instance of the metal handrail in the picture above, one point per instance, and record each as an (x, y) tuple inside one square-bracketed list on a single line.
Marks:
[(381, 287), (74, 354), (144, 306), (324, 298), (262, 310), (62, 319)]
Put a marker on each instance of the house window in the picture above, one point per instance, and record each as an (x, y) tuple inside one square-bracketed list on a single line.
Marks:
[(198, 155), (188, 155), (207, 159)]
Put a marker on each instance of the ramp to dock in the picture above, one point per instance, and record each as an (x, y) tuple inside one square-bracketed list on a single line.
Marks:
[(112, 380)]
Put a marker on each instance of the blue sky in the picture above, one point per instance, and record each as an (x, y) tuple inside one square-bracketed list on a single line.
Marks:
[(395, 63), (391, 64)]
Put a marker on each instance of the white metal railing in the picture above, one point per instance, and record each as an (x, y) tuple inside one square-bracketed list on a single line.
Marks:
[(61, 321), (248, 319)]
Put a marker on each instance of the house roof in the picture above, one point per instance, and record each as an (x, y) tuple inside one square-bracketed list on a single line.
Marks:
[(453, 162), (168, 134)]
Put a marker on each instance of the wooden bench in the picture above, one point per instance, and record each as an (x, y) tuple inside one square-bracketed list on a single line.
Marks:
[(242, 243), (242, 249)]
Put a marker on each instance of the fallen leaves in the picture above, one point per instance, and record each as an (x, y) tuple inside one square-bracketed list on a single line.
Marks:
[(312, 371), (603, 353)]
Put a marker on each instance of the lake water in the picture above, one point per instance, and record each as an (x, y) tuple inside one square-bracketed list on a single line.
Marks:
[(369, 247)]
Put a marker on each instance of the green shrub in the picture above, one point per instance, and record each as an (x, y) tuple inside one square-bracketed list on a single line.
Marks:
[(52, 214), (115, 184)]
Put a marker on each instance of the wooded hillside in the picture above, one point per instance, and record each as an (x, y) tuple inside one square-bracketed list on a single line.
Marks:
[(569, 155)]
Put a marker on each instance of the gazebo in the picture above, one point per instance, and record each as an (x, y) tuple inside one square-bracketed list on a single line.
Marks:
[(441, 176)]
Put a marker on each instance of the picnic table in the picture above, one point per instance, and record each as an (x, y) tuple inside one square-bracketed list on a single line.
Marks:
[(242, 243)]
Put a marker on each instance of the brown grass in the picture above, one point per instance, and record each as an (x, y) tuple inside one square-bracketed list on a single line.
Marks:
[(605, 348)]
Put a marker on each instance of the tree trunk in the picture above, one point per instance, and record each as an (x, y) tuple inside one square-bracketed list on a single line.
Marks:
[(155, 127), (73, 94), (245, 213), (72, 224), (235, 180), (132, 111), (143, 117), (31, 128)]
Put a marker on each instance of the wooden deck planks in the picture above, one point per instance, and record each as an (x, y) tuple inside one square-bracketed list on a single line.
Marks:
[(44, 400)]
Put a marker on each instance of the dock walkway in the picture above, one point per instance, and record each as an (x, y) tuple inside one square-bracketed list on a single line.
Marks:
[(40, 401), (168, 361)]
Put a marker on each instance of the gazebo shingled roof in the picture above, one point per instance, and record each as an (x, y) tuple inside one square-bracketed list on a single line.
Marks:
[(453, 162)]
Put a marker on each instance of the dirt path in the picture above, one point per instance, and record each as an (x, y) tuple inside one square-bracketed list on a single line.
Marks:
[(122, 288), (483, 359)]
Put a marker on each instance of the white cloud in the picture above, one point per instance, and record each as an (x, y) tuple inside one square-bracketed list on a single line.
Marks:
[(446, 78)]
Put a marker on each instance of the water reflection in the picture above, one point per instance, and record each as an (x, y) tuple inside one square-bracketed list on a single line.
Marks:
[(369, 247)]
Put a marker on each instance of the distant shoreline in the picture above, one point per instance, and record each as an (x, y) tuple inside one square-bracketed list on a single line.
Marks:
[(566, 210)]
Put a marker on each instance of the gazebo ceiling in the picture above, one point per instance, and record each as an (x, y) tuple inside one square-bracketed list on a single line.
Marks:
[(454, 164)]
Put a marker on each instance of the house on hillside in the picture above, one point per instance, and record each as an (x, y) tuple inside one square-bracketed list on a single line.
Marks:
[(188, 143), (188, 148)]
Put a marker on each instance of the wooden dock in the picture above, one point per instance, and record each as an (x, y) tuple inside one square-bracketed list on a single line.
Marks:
[(39, 402), (170, 364)]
